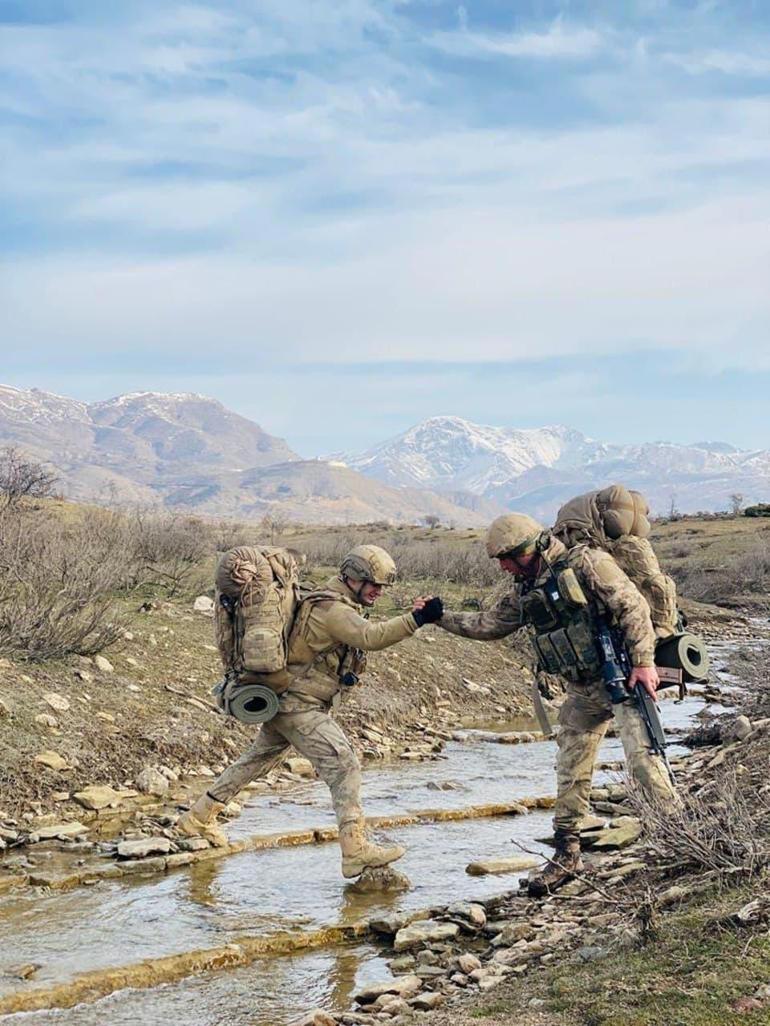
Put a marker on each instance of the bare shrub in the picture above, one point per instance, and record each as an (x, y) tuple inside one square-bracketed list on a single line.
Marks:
[(748, 573), (170, 550), (57, 585), (21, 478), (723, 829)]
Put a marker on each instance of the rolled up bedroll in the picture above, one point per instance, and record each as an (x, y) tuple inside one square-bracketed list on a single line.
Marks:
[(685, 652), (252, 703)]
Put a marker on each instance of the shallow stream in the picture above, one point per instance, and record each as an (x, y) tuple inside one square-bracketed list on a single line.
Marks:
[(213, 903)]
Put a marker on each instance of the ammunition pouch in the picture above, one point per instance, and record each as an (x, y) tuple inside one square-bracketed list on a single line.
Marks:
[(563, 626)]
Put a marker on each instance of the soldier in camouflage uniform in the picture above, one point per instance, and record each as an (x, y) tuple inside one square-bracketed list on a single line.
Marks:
[(327, 649), (526, 551)]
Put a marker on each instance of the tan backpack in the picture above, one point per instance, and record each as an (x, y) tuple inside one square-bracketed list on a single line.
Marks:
[(256, 599), (615, 519)]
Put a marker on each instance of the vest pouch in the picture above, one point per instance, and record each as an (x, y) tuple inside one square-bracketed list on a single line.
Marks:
[(547, 656), (583, 644), (570, 589), (263, 646), (536, 611), (567, 657)]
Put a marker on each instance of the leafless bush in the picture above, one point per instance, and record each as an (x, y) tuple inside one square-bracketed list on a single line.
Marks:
[(748, 573), (418, 559), (57, 586), (722, 829), (170, 550), (21, 478)]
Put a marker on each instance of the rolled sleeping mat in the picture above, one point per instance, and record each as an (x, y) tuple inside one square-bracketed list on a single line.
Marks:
[(685, 652), (251, 703)]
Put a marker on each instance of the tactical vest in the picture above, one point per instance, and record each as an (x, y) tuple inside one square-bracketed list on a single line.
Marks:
[(562, 623), (322, 674)]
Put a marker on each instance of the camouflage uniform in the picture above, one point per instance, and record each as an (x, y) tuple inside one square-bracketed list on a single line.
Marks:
[(587, 710), (322, 644)]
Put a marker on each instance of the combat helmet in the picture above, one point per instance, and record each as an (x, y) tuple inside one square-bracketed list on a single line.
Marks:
[(514, 534), (369, 563)]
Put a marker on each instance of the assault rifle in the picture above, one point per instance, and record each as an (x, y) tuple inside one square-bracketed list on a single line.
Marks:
[(616, 670)]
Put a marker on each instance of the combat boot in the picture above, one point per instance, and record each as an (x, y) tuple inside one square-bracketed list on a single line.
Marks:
[(561, 868), (200, 821), (359, 854)]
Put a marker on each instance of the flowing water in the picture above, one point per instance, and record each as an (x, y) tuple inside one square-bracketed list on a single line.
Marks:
[(213, 903)]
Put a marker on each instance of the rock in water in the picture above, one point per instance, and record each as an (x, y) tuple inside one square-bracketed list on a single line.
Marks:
[(505, 865), (424, 931), (374, 881)]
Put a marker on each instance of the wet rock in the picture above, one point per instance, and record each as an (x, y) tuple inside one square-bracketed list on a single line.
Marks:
[(401, 986), (60, 831), (103, 664), (144, 846), (52, 760), (393, 1005), (97, 797), (468, 916), (444, 785), (204, 604), (46, 720), (318, 1017), (193, 843), (424, 931), (380, 880), (617, 835), (513, 932), (467, 963), (426, 1001), (151, 781), (56, 701), (505, 865), (402, 964), (24, 972)]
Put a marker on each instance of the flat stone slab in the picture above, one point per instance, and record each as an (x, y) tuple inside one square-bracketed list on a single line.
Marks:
[(97, 797), (401, 986), (57, 830), (617, 836), (509, 865), (424, 931), (141, 847)]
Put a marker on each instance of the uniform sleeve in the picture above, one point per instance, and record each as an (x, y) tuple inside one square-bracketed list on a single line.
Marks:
[(498, 622), (342, 623), (626, 604)]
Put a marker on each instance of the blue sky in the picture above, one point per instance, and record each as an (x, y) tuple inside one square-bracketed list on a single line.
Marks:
[(339, 218)]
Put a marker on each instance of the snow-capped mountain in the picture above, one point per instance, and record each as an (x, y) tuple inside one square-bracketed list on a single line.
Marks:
[(537, 469), (449, 452), (134, 446), (189, 452)]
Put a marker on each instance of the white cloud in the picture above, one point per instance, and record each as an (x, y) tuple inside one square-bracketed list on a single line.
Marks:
[(744, 65), (559, 41)]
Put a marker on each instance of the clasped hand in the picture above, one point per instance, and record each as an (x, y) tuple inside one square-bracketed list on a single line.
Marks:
[(427, 609)]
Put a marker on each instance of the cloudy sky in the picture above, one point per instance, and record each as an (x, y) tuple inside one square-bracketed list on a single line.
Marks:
[(341, 217)]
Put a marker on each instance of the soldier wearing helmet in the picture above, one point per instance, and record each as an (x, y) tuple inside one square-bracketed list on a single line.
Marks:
[(327, 647), (589, 578)]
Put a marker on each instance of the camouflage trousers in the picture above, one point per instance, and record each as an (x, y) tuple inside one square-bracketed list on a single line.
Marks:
[(315, 735), (583, 721)]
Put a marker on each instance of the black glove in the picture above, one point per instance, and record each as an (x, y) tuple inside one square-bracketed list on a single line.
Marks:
[(432, 610)]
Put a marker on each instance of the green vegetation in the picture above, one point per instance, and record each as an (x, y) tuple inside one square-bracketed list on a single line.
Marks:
[(692, 974)]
